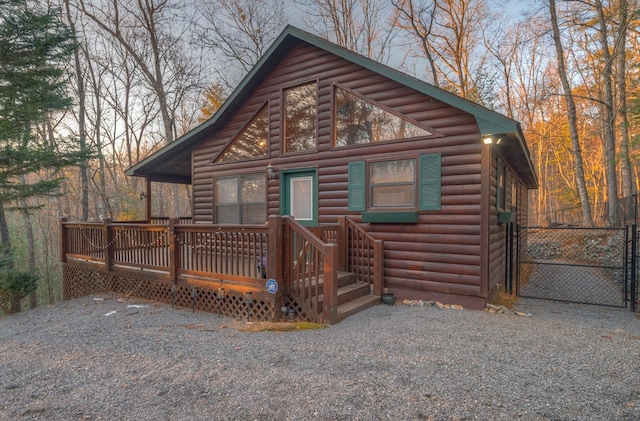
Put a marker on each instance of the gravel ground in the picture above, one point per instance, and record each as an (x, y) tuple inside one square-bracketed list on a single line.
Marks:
[(111, 358)]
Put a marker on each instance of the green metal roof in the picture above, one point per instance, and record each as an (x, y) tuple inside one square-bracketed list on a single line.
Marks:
[(161, 166)]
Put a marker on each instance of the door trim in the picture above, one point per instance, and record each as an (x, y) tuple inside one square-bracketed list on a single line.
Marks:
[(285, 177)]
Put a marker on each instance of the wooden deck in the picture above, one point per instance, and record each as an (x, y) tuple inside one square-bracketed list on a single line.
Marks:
[(238, 259)]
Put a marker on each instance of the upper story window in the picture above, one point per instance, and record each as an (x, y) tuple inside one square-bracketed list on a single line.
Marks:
[(251, 143), (358, 121), (301, 118)]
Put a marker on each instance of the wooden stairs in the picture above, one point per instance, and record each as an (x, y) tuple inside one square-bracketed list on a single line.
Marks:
[(353, 296)]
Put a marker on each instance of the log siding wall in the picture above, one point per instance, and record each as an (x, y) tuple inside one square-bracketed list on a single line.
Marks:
[(497, 237), (438, 255)]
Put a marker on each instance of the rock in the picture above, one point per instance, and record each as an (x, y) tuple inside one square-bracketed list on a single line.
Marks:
[(521, 314), (439, 304), (456, 307)]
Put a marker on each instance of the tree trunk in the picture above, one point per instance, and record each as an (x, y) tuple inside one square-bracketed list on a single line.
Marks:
[(5, 238), (628, 178), (31, 250), (609, 123), (84, 165), (587, 218)]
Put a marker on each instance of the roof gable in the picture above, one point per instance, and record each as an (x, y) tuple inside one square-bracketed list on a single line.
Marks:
[(160, 165)]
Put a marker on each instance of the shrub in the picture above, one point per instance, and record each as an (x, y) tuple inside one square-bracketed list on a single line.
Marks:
[(14, 286)]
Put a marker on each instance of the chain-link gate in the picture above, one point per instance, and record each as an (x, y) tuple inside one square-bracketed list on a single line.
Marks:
[(580, 265)]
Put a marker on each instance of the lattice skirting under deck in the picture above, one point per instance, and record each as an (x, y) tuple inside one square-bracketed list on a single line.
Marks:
[(80, 281)]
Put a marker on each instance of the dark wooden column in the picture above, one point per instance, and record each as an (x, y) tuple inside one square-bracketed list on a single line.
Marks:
[(147, 200), (63, 240)]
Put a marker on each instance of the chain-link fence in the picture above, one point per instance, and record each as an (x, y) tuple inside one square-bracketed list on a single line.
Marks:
[(582, 265)]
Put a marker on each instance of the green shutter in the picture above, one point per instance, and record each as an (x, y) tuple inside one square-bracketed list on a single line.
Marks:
[(357, 186), (430, 181)]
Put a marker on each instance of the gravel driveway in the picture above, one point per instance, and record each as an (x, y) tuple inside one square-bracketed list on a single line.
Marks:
[(111, 358)]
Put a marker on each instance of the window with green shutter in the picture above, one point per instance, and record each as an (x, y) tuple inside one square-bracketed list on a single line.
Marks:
[(430, 182), (357, 186), (395, 186)]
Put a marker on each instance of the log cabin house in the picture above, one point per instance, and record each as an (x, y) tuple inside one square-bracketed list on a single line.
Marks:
[(325, 179)]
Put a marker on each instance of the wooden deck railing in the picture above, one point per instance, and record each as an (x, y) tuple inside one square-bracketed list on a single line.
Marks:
[(210, 251), (363, 255), (231, 252), (304, 263), (311, 270)]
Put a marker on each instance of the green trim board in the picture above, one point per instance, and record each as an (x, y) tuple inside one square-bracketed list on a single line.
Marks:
[(390, 217), (357, 186), (285, 193)]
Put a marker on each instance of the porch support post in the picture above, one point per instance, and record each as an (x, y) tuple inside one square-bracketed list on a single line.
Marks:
[(147, 200), (275, 261), (110, 246), (330, 284), (63, 240), (174, 250)]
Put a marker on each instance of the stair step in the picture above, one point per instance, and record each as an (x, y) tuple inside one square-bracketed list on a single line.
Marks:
[(348, 293), (344, 279), (352, 307)]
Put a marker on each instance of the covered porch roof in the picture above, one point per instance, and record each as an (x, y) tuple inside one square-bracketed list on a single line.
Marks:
[(173, 163)]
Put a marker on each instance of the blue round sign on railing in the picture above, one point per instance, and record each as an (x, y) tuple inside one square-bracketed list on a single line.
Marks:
[(272, 286)]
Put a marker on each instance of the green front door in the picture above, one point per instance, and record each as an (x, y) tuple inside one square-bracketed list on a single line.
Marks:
[(299, 195)]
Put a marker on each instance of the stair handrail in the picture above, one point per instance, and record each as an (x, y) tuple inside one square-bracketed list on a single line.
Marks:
[(371, 273), (314, 259)]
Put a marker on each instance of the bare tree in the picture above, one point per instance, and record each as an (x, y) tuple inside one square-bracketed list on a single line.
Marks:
[(147, 31), (364, 26), (238, 32), (628, 177), (587, 218), (449, 33), (418, 20)]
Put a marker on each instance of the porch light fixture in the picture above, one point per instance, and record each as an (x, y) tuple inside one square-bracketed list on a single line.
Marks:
[(271, 173), (487, 140)]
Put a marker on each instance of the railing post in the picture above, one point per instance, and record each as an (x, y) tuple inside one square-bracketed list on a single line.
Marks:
[(341, 239), (109, 252), (174, 250), (330, 284), (64, 238), (378, 267), (275, 265)]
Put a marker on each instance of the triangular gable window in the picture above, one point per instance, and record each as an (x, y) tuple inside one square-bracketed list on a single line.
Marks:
[(251, 143), (359, 121)]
